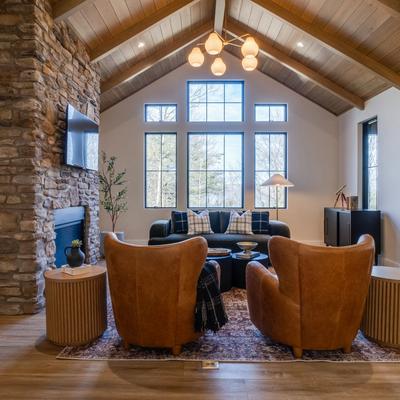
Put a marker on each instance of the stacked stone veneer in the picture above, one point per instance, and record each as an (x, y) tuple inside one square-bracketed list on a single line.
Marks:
[(43, 67)]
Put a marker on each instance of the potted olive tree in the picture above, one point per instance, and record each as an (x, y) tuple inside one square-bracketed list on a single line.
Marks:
[(114, 192)]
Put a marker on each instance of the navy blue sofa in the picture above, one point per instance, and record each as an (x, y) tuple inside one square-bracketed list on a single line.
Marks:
[(160, 233)]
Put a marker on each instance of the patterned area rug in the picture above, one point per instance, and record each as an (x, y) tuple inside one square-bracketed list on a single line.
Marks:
[(238, 341)]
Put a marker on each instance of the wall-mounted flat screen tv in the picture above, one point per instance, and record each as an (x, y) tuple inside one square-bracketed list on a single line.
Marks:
[(82, 141)]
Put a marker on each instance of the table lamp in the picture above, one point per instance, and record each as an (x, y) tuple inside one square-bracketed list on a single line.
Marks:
[(277, 180)]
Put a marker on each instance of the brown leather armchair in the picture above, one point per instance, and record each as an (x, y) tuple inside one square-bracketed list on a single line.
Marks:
[(153, 290), (316, 299)]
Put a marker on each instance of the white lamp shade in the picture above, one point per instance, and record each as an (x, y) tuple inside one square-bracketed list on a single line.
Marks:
[(277, 180), (196, 57), (213, 44), (218, 67), (249, 47), (249, 63)]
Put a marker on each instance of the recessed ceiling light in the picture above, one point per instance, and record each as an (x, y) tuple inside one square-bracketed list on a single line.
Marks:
[(300, 44), (140, 45)]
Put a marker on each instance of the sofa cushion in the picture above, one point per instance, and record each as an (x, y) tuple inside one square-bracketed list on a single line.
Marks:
[(225, 240), (260, 222), (240, 223), (214, 221), (198, 223), (224, 220), (179, 222)]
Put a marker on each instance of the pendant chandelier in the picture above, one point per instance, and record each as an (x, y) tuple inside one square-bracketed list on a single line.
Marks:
[(215, 44)]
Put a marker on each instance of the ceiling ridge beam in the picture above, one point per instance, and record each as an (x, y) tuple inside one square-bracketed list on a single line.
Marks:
[(219, 16), (336, 44), (166, 51), (65, 8), (114, 42), (237, 29)]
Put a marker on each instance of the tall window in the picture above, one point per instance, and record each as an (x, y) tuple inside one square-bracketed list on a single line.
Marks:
[(211, 101), (160, 112), (160, 149), (270, 158), (215, 176), (370, 164), (270, 112)]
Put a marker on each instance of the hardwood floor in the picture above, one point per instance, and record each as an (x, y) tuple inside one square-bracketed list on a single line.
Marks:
[(29, 370)]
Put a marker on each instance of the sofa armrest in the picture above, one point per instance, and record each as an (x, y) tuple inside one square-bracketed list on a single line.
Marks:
[(279, 228), (160, 228)]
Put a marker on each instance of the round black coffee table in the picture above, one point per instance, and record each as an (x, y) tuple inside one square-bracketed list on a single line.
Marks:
[(225, 262), (239, 268)]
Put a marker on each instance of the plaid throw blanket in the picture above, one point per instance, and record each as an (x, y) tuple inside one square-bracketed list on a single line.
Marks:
[(210, 312)]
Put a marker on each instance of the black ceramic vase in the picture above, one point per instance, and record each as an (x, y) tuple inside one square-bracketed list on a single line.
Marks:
[(75, 257)]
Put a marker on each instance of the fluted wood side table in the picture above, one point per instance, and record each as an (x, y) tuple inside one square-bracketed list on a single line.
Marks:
[(381, 320), (76, 310)]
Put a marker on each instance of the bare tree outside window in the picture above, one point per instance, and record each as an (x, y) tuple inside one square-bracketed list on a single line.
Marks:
[(160, 112), (215, 176), (160, 170), (270, 153), (215, 101)]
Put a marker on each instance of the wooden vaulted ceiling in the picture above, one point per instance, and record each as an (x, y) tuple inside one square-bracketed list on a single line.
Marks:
[(350, 53)]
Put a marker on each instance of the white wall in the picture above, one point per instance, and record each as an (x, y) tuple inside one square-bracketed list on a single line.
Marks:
[(385, 106), (312, 147)]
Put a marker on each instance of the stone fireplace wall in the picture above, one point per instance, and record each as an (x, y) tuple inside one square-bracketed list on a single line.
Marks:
[(43, 67)]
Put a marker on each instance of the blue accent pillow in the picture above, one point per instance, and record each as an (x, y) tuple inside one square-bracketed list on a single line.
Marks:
[(179, 221), (260, 222)]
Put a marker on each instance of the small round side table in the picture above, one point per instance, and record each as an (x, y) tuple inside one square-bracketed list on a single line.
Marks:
[(76, 310), (239, 268), (381, 319)]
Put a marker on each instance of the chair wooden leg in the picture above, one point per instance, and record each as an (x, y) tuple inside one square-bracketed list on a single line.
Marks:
[(176, 350), (298, 352), (347, 349)]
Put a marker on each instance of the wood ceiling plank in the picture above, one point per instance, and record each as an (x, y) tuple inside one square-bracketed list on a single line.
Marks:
[(219, 15), (333, 42), (391, 6), (65, 8), (156, 57), (235, 29), (117, 40)]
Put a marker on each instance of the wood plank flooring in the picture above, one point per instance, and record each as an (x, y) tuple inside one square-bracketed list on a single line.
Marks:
[(29, 370)]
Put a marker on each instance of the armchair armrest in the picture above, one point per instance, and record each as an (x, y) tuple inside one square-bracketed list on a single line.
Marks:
[(160, 228), (279, 228)]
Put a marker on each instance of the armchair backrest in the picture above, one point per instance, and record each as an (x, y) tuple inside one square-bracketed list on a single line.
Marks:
[(330, 285), (153, 289)]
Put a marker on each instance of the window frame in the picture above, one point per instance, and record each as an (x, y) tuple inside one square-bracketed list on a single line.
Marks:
[(213, 81), (146, 134), (365, 167), (285, 207), (161, 121), (270, 105), (188, 171)]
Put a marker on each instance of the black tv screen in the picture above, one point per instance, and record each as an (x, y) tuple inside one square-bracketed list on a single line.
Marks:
[(82, 141)]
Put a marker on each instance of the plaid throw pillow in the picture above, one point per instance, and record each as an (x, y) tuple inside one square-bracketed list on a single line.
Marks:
[(240, 223), (179, 220), (260, 222), (198, 223)]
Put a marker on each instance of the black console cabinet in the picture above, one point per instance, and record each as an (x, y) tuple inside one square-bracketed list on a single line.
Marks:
[(344, 227)]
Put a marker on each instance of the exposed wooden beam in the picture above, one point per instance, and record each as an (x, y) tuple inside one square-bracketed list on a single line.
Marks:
[(64, 8), (236, 29), (333, 42), (219, 16), (392, 6), (165, 52), (113, 42)]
